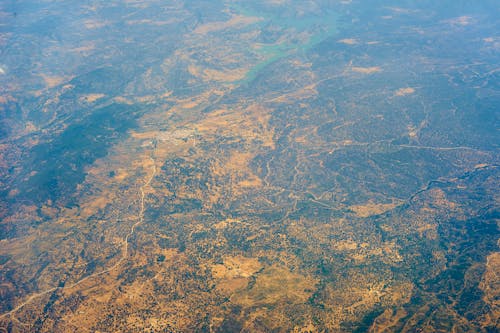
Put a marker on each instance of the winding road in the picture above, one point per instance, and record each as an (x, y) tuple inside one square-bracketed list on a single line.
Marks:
[(140, 220)]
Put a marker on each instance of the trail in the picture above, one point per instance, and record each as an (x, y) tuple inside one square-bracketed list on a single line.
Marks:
[(140, 220)]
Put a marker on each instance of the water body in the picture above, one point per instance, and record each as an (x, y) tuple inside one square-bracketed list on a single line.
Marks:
[(320, 28)]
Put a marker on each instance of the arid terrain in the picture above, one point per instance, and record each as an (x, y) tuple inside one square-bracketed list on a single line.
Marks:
[(233, 166)]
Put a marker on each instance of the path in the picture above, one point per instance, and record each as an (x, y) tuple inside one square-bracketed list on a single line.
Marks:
[(118, 263)]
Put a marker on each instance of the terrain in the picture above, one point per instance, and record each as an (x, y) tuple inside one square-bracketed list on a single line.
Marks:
[(273, 166)]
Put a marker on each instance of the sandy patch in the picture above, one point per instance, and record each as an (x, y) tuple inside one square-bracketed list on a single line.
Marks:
[(123, 100), (300, 94), (235, 21), (52, 81), (370, 209), (224, 75), (234, 273), (209, 74), (347, 245), (275, 285), (412, 131), (4, 99), (226, 223), (91, 98), (94, 206), (235, 267), (348, 41), (404, 91), (480, 166), (366, 70)]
